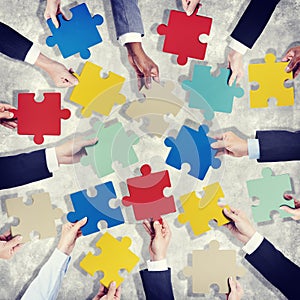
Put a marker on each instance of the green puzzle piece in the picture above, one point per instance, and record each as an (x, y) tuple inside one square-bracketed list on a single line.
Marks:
[(269, 190), (114, 144)]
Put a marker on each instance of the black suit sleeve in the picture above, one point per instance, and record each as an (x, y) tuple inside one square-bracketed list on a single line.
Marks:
[(12, 43), (22, 169), (276, 268), (254, 21), (157, 284), (278, 145)]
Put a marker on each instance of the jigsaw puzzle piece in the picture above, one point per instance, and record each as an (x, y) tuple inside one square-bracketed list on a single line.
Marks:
[(271, 77), (77, 34), (95, 208), (211, 93), (182, 35), (192, 147), (114, 256), (270, 190), (40, 118), (96, 94), (39, 216)]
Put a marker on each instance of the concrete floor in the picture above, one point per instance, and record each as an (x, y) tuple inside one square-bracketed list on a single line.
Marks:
[(282, 32)]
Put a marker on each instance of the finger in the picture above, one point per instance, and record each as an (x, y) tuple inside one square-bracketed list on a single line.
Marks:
[(239, 288), (148, 82), (220, 153), (85, 143), (191, 7), (230, 214), (297, 203), (11, 124), (287, 197), (292, 64), (218, 145), (7, 106), (118, 292), (232, 284), (18, 248), (147, 226), (239, 77), (71, 79), (111, 291), (288, 56), (232, 78), (157, 228), (185, 4), (289, 210), (6, 115), (155, 73), (7, 125), (14, 242), (54, 20), (297, 72), (80, 223), (165, 226)]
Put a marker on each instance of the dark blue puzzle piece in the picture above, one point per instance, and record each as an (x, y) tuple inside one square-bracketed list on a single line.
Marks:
[(192, 147), (76, 35), (95, 208)]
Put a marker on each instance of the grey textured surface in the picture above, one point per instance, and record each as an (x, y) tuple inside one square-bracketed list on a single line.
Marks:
[(282, 31)]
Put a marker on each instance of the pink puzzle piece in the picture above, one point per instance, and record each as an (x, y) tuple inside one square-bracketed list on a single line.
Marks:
[(146, 194), (40, 118)]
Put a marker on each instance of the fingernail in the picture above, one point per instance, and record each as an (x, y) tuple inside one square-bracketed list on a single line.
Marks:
[(20, 238), (225, 209), (156, 223), (113, 283), (189, 13), (287, 69), (281, 208), (11, 114), (83, 219)]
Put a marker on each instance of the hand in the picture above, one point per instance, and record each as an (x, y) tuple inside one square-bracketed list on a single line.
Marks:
[(189, 6), (235, 64), (109, 294), (71, 151), (230, 144), (239, 226), (70, 233), (143, 65), (236, 290), (6, 117), (52, 10), (160, 238), (9, 245), (294, 211), (293, 56), (58, 72)]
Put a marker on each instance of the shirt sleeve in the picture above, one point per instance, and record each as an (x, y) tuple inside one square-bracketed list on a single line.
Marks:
[(253, 243), (253, 149), (130, 37), (32, 55), (160, 265), (237, 46), (48, 282), (51, 160)]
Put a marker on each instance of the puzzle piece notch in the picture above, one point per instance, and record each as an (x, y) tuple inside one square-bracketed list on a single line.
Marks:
[(269, 190), (210, 93), (95, 208), (213, 266), (39, 216), (271, 77), (77, 34), (40, 118), (115, 255), (97, 94), (199, 211)]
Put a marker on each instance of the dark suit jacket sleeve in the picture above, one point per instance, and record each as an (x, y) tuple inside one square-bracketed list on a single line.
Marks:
[(276, 268), (278, 145), (127, 17), (157, 284), (22, 169), (253, 21)]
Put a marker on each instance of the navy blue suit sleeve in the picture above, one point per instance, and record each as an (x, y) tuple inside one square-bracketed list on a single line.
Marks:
[(22, 169), (276, 268), (254, 21), (157, 284), (278, 145), (127, 17), (12, 43)]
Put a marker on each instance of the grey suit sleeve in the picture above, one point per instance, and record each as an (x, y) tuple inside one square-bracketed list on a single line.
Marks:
[(127, 17)]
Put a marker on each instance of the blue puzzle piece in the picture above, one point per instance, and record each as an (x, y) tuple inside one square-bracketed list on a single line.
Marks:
[(211, 93), (75, 35), (192, 147), (95, 208)]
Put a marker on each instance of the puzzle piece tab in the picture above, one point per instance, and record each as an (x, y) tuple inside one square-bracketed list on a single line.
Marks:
[(271, 77), (146, 194), (199, 211), (160, 101), (213, 266), (77, 34), (192, 147), (114, 256), (96, 94), (40, 118), (269, 190), (211, 93), (39, 216), (183, 33), (95, 208), (114, 144)]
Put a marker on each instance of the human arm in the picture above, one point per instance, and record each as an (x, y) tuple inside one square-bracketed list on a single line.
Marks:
[(7, 117), (110, 293), (293, 56), (9, 245)]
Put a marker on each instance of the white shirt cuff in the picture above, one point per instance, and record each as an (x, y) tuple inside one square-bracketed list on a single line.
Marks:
[(60, 259), (237, 46), (130, 37), (253, 243), (33, 54), (51, 160), (253, 149), (159, 265)]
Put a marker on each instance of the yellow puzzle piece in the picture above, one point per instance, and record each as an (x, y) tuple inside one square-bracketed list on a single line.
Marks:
[(114, 256), (97, 94), (270, 77), (199, 211)]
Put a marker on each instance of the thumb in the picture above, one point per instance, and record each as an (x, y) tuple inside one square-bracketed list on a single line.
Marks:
[(291, 65), (14, 242), (232, 285), (54, 20), (232, 78), (80, 223), (91, 142), (6, 115), (111, 291), (288, 209), (218, 145), (157, 228), (230, 214)]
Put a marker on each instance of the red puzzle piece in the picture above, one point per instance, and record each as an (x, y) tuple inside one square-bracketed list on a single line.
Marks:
[(146, 194), (182, 35), (39, 118)]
